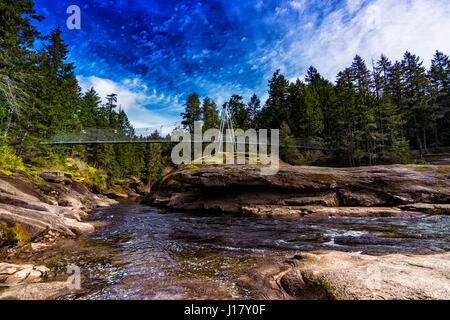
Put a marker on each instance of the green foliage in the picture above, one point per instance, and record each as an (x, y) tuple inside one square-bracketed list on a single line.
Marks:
[(210, 114), (193, 112), (369, 116), (238, 112), (9, 161), (288, 154), (13, 235)]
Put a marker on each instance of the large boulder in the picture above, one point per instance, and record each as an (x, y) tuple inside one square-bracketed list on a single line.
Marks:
[(352, 276)]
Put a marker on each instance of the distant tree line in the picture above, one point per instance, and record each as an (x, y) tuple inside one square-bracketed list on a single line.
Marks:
[(369, 116)]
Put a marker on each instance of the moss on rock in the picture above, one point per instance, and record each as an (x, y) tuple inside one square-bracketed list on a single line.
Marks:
[(13, 235)]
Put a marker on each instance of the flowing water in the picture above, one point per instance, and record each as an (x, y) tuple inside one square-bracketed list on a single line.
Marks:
[(146, 253)]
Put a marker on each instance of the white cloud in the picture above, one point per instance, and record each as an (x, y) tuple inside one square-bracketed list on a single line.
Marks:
[(144, 107), (299, 5), (294, 79), (354, 5), (367, 28)]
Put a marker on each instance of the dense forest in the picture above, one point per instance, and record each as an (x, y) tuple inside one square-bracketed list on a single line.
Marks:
[(370, 115)]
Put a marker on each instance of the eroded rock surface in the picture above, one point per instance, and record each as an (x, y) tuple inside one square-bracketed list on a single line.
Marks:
[(351, 276), (14, 274), (59, 205), (301, 190), (35, 291)]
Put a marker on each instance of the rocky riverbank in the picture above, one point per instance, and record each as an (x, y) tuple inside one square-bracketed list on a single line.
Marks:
[(308, 192), (34, 213), (301, 191), (31, 208)]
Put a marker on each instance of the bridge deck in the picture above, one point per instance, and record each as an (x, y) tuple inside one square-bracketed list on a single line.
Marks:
[(301, 146)]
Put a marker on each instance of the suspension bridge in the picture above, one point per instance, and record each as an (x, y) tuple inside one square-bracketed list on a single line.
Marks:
[(153, 135)]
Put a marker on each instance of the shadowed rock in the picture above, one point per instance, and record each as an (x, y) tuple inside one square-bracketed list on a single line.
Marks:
[(304, 190)]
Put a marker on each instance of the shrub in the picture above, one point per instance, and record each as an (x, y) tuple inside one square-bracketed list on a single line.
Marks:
[(8, 160)]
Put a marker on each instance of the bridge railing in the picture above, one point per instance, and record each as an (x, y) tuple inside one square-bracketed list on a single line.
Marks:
[(148, 135)]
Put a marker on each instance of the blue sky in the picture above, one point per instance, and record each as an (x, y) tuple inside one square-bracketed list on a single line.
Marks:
[(154, 53)]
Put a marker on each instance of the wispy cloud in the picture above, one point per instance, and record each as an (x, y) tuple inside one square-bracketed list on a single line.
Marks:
[(367, 28)]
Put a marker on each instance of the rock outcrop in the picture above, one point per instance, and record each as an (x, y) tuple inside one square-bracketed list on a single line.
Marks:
[(33, 206), (29, 282), (308, 191), (15, 274), (351, 276)]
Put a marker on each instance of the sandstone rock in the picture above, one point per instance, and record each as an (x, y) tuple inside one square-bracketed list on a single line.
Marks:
[(35, 291), (18, 276), (13, 274), (329, 199), (430, 208), (114, 195), (350, 276), (34, 276), (34, 205), (53, 178), (7, 268), (236, 189), (320, 211)]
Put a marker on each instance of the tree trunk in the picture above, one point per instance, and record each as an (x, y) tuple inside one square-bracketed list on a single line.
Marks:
[(425, 140), (149, 181), (419, 144)]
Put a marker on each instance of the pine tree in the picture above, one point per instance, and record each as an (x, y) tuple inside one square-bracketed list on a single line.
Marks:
[(210, 114), (110, 107), (193, 112), (238, 112), (253, 107), (419, 112), (439, 76), (276, 110)]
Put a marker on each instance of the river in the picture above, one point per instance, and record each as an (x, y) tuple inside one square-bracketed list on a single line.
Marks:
[(142, 252)]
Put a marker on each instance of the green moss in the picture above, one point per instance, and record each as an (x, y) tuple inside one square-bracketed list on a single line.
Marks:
[(44, 188), (173, 182), (321, 177), (13, 235), (325, 286), (421, 169), (421, 162), (443, 169), (163, 179), (190, 167)]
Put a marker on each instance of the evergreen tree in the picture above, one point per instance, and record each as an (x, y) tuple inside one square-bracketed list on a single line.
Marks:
[(439, 76), (110, 106), (210, 114), (253, 107), (238, 112), (193, 112), (418, 111), (276, 110)]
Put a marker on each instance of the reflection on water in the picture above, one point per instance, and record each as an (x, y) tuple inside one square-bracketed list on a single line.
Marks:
[(143, 253)]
